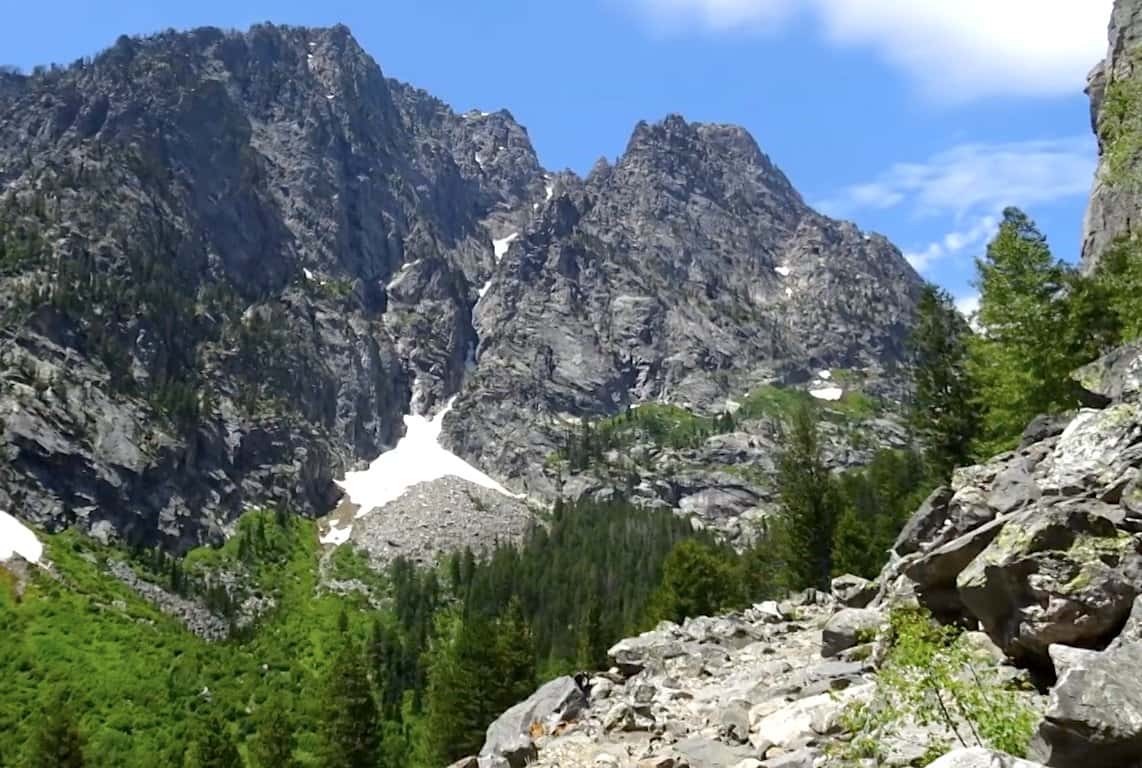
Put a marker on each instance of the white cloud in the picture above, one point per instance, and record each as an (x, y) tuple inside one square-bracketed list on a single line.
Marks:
[(978, 232), (975, 177), (954, 49)]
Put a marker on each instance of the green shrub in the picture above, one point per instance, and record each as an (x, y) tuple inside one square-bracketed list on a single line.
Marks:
[(931, 678)]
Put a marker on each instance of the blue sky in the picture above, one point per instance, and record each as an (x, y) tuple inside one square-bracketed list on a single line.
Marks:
[(920, 120)]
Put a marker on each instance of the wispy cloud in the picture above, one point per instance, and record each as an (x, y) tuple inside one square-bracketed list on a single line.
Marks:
[(954, 50), (973, 177), (969, 239)]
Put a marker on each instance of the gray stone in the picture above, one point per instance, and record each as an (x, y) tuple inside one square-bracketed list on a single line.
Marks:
[(977, 757), (1094, 716), (922, 527), (558, 701), (849, 627), (735, 722), (853, 591)]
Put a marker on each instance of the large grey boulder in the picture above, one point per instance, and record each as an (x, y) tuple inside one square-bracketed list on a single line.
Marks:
[(853, 591), (561, 700), (1094, 716), (1059, 574), (849, 627), (977, 757)]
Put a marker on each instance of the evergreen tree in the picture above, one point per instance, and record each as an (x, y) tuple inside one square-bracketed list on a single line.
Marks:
[(1019, 358), (273, 742), (810, 505), (57, 742), (696, 581), (211, 746), (350, 730), (515, 657), (462, 682), (942, 412)]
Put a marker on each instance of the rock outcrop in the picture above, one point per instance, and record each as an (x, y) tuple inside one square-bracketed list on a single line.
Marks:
[(1042, 545), (1114, 207)]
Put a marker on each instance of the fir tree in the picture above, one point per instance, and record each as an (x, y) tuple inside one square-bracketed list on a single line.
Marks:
[(942, 411), (350, 731), (1020, 359), (809, 502)]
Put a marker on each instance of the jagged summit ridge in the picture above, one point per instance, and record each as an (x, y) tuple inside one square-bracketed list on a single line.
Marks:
[(307, 250)]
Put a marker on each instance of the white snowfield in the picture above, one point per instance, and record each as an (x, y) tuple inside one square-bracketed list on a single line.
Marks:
[(783, 271), (17, 539), (828, 393), (500, 247), (417, 458)]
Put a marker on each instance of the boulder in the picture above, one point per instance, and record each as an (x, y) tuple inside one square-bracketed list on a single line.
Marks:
[(853, 591), (561, 700), (1093, 454), (735, 722), (1058, 574), (977, 757), (650, 649), (803, 722), (1044, 427), (849, 627), (467, 762), (927, 521), (939, 568), (1116, 376), (1094, 716)]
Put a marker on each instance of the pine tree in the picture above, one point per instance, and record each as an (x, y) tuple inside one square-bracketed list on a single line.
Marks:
[(350, 731), (273, 742), (1019, 359), (810, 505), (942, 413), (211, 746), (57, 742)]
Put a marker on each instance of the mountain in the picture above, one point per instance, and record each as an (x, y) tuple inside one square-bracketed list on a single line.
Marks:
[(232, 262)]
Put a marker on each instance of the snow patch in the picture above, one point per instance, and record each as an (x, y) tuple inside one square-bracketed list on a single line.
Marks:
[(831, 394), (479, 159), (500, 247), (788, 291), (417, 458), (783, 271), (307, 273), (549, 189), (826, 375), (337, 536), (486, 287), (17, 539)]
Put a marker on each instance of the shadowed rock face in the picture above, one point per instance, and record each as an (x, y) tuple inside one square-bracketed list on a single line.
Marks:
[(244, 256)]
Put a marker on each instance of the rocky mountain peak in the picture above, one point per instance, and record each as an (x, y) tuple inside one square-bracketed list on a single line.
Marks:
[(721, 163)]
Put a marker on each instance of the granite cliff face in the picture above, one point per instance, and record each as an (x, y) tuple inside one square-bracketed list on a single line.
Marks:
[(233, 261), (1113, 209)]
